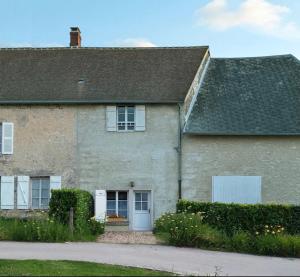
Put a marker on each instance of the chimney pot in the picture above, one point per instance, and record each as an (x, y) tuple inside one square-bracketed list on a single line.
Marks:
[(75, 37)]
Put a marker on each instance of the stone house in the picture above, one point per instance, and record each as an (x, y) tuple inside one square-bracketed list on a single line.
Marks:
[(141, 127)]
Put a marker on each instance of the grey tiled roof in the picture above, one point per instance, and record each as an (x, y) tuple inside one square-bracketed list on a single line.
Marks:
[(248, 96), (100, 75)]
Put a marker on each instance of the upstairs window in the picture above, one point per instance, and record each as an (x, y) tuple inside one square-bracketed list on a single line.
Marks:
[(126, 118), (6, 138)]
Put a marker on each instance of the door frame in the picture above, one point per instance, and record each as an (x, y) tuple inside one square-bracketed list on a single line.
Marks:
[(133, 208)]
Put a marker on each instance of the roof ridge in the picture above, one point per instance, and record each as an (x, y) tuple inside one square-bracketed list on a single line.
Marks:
[(256, 57), (100, 48)]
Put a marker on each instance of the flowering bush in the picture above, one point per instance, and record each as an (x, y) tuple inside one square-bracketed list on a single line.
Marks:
[(95, 226), (188, 229)]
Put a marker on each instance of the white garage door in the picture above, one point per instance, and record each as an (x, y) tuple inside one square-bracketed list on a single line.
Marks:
[(236, 189)]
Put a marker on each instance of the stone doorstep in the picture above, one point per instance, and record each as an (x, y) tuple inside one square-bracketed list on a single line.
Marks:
[(128, 237)]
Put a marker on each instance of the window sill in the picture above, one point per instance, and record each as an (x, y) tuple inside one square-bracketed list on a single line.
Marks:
[(117, 223)]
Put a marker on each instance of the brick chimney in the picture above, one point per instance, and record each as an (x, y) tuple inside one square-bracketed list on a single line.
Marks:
[(75, 37)]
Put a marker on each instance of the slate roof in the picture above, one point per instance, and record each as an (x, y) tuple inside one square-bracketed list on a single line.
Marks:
[(98, 75), (248, 96)]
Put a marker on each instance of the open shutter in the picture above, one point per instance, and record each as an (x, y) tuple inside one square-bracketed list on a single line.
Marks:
[(23, 193), (7, 138), (55, 182), (140, 118), (100, 205), (111, 118), (7, 192)]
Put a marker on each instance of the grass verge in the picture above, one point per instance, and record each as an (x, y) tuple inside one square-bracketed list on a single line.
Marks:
[(70, 268)]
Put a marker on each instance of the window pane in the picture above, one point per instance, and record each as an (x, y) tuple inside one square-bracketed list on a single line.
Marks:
[(122, 195), (121, 117), (111, 195), (111, 212), (122, 204), (130, 127), (130, 117), (121, 109), (35, 193), (138, 206), (144, 206), (123, 213), (45, 193), (144, 196), (111, 204), (121, 128), (138, 196), (35, 184), (45, 183), (45, 202), (130, 109), (35, 203)]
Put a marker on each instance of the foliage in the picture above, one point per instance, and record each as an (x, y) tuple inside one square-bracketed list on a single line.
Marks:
[(95, 226), (82, 203), (232, 218), (33, 230), (70, 268), (189, 229)]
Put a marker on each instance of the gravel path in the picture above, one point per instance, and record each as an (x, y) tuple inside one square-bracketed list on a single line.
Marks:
[(181, 260), (128, 237)]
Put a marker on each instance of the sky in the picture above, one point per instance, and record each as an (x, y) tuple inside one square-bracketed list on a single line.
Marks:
[(232, 28)]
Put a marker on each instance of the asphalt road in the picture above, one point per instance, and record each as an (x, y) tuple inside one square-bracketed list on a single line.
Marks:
[(179, 260)]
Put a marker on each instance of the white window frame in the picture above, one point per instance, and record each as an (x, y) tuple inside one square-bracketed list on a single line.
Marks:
[(117, 202), (126, 122), (40, 193)]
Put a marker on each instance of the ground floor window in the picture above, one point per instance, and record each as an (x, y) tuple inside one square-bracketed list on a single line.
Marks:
[(40, 192), (117, 205)]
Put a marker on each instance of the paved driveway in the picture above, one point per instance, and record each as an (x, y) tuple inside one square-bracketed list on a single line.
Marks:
[(180, 260)]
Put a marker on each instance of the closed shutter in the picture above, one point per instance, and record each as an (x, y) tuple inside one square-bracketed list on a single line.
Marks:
[(7, 138), (237, 189), (111, 118), (23, 192), (7, 192), (100, 205), (140, 118)]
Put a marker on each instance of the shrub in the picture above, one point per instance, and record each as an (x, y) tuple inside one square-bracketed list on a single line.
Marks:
[(232, 218), (96, 227), (81, 201), (186, 229), (278, 245)]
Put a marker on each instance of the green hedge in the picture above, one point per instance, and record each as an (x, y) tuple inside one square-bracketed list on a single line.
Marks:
[(250, 218), (82, 203)]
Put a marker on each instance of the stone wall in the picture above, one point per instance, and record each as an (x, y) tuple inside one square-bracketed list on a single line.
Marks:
[(276, 159)]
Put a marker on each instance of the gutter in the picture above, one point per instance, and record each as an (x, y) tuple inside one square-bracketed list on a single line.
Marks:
[(179, 152)]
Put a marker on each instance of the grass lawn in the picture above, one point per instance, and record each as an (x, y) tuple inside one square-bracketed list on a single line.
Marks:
[(70, 268)]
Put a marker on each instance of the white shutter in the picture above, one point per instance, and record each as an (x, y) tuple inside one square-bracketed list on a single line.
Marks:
[(7, 192), (140, 118), (100, 205), (55, 182), (23, 192), (237, 189), (7, 138), (111, 118)]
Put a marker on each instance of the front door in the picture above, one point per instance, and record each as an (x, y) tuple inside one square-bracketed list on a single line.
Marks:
[(142, 211)]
